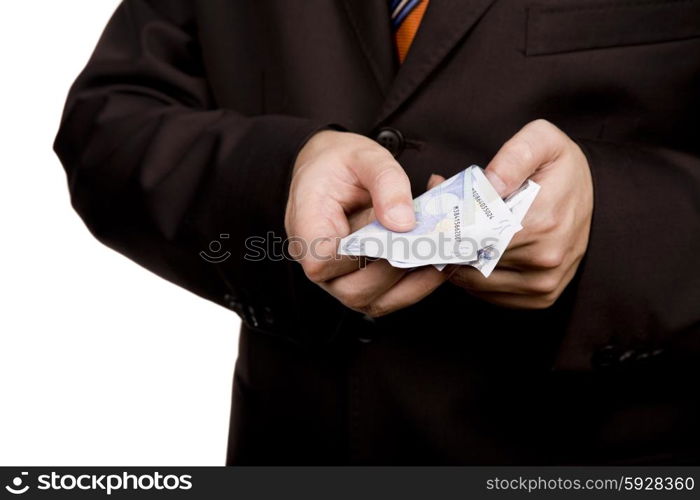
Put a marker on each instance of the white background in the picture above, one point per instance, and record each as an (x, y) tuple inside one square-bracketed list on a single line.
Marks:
[(101, 362)]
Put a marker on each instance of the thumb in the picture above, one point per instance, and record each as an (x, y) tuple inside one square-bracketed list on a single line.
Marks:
[(537, 144), (390, 190)]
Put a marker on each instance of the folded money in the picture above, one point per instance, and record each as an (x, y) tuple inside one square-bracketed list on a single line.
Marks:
[(461, 221)]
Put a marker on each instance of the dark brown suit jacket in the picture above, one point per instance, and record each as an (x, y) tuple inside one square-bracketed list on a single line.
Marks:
[(188, 117)]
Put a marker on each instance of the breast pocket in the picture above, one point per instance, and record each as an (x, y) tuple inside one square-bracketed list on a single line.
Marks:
[(559, 26)]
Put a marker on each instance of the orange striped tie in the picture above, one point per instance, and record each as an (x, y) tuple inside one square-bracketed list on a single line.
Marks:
[(406, 16)]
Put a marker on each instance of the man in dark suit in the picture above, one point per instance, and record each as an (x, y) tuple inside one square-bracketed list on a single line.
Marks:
[(307, 118)]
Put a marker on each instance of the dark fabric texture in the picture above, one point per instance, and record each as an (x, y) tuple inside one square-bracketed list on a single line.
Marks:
[(185, 124)]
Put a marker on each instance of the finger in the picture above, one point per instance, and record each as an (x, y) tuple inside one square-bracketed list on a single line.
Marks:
[(413, 288), (513, 281), (542, 254), (358, 289), (524, 238), (521, 239), (512, 301), (389, 188), (540, 240), (540, 222), (536, 282), (434, 180), (535, 145), (345, 264), (316, 224), (336, 265), (500, 281), (527, 301), (316, 240)]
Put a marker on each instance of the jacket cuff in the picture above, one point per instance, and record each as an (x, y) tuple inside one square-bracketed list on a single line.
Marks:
[(245, 215)]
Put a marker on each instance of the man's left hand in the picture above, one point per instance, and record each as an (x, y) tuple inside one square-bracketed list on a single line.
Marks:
[(542, 258)]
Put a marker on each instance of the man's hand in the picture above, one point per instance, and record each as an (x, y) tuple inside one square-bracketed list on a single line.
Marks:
[(337, 177), (542, 258)]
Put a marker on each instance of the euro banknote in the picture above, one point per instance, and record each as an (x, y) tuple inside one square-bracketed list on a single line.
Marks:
[(461, 221)]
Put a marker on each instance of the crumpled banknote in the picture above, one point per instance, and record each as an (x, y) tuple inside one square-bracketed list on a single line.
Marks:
[(461, 221)]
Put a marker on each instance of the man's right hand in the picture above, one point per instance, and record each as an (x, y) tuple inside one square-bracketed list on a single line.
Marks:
[(340, 182)]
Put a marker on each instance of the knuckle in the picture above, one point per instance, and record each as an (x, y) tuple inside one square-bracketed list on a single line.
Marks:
[(541, 125), (356, 304), (354, 300), (522, 150), (545, 285), (540, 302), (537, 305), (548, 133), (549, 259), (548, 300), (315, 270), (388, 173), (375, 310), (517, 151), (294, 248)]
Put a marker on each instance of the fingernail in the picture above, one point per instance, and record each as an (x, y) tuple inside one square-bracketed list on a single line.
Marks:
[(401, 215), (496, 181)]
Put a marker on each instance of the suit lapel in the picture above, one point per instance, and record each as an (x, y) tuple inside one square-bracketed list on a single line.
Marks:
[(445, 22), (370, 21)]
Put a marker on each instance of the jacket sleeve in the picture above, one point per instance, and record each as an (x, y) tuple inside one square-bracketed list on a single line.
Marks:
[(158, 171), (638, 290)]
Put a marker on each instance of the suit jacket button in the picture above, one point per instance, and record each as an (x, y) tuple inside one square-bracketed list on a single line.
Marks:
[(629, 356), (251, 316), (231, 302), (391, 139), (642, 356), (657, 353)]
